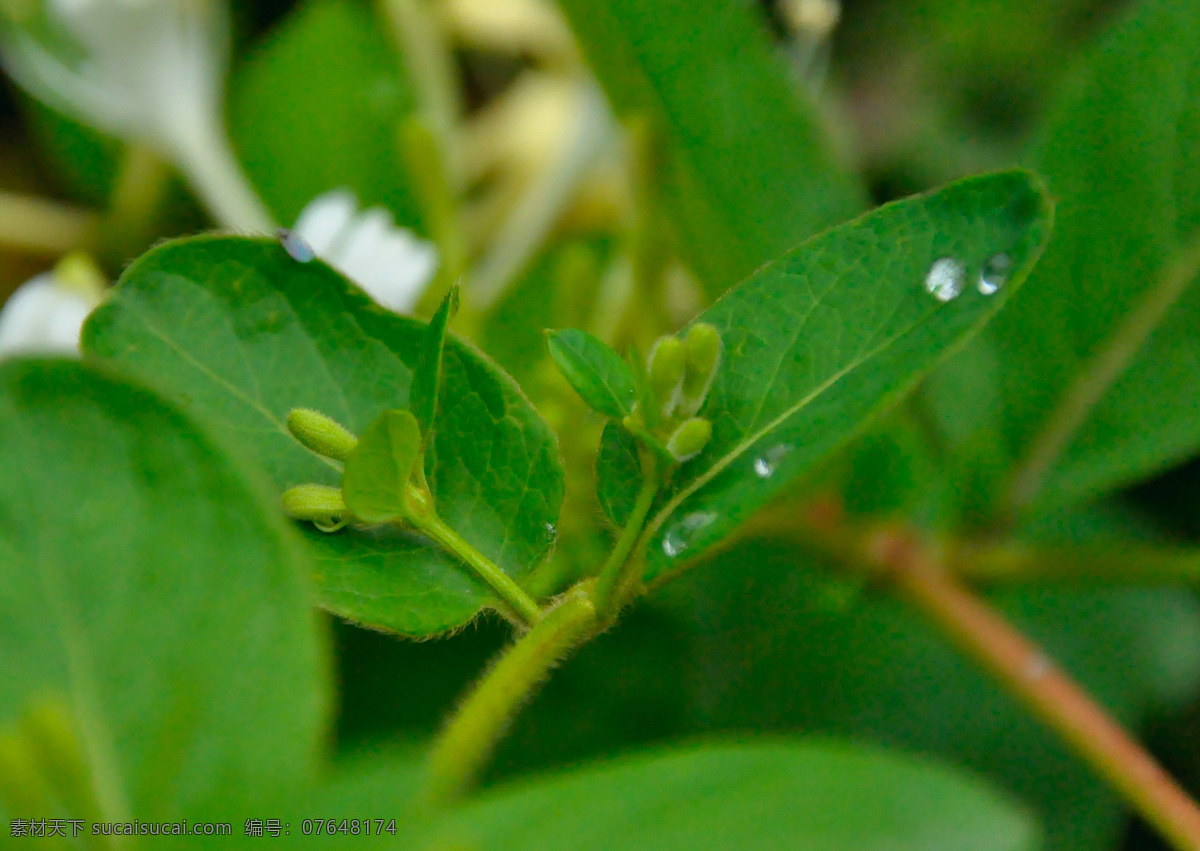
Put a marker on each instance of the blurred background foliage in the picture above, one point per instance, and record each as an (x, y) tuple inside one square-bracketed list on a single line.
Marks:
[(765, 638)]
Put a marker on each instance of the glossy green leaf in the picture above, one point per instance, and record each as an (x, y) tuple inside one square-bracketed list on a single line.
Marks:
[(781, 795), (618, 474), (240, 333), (818, 341), (151, 589), (1119, 154), (426, 386), (380, 466), (318, 106), (749, 173), (596, 372)]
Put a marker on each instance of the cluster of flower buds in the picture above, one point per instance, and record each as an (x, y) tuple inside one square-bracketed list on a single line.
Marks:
[(383, 476), (680, 373), (321, 505)]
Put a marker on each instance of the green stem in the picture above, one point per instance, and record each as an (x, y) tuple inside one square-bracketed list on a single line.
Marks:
[(462, 750), (133, 205), (613, 576), (510, 592)]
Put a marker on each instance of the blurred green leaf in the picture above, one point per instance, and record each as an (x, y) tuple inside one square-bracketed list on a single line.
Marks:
[(818, 341), (156, 590), (749, 171), (380, 466), (594, 370), (781, 795), (318, 106), (778, 646), (240, 333), (1119, 154)]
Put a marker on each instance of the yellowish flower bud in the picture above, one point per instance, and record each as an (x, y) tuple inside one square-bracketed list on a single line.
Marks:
[(319, 504), (689, 439), (666, 364), (320, 434), (703, 357)]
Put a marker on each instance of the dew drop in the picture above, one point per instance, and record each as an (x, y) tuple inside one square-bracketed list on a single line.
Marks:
[(995, 272), (946, 278), (679, 536), (766, 464), (551, 530), (295, 245)]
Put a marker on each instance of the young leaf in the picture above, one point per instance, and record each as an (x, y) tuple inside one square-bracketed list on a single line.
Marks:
[(349, 111), (749, 172), (427, 379), (618, 474), (835, 797), (596, 372), (263, 335), (153, 592), (818, 341), (379, 467), (1097, 382)]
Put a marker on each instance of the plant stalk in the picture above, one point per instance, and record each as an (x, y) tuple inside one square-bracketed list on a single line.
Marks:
[(614, 575), (499, 581), (1024, 670), (462, 750)]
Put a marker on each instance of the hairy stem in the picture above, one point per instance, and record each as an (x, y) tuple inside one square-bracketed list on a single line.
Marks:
[(1106, 366), (508, 590), (1025, 671), (614, 575), (461, 752)]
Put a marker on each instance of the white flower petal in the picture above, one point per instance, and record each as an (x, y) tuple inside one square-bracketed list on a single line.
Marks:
[(43, 317), (389, 263), (324, 219)]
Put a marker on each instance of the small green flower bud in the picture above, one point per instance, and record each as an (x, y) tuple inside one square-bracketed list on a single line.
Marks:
[(320, 434), (689, 439), (319, 504), (666, 364), (703, 356)]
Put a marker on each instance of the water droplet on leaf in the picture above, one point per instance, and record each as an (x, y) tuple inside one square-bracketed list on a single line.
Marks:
[(766, 464), (946, 278), (995, 272), (295, 245), (679, 536)]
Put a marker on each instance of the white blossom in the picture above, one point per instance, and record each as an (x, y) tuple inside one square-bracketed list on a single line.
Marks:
[(147, 71), (390, 263), (46, 313)]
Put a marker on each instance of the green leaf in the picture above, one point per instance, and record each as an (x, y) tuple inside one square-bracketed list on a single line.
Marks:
[(596, 372), (749, 172), (818, 341), (776, 647), (318, 106), (428, 377), (819, 796), (240, 333), (153, 591), (1100, 400), (618, 474), (380, 466)]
